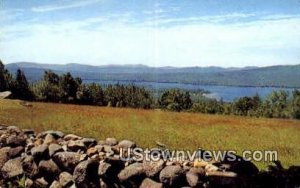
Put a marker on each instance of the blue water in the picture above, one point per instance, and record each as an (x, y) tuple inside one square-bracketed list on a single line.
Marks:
[(227, 93)]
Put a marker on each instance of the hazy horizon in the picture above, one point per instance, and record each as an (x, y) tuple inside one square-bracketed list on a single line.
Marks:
[(150, 66), (154, 33)]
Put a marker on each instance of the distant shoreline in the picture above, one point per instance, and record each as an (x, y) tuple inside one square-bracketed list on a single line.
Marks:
[(195, 84)]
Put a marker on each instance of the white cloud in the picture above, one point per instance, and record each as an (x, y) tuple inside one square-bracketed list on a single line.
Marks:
[(66, 5), (264, 42)]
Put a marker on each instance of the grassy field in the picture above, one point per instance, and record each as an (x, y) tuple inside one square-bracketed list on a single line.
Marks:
[(176, 130)]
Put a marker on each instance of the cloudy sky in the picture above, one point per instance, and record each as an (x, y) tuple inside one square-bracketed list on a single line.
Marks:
[(151, 32)]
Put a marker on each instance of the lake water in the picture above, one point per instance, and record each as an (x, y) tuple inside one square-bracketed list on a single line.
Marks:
[(227, 93)]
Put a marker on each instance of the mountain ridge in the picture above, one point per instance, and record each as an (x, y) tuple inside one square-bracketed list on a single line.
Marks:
[(277, 75)]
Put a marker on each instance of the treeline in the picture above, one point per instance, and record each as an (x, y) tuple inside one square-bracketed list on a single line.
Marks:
[(67, 89)]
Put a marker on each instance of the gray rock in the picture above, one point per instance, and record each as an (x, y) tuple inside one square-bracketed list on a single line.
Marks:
[(54, 148), (12, 168), (148, 183), (41, 183), (28, 131), (76, 145), (67, 160), (85, 174), (72, 137), (16, 152), (103, 169), (13, 129), (49, 139), (111, 141), (65, 179), (107, 149), (133, 170), (56, 134), (28, 183), (48, 169), (240, 166), (222, 179), (195, 176), (125, 144), (4, 156), (40, 152), (171, 175), (152, 168), (55, 184), (92, 151), (14, 140), (89, 142), (29, 166), (211, 168)]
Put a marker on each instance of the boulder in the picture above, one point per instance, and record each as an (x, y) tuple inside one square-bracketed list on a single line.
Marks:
[(211, 168), (40, 152), (28, 183), (89, 142), (13, 129), (85, 174), (195, 177), (152, 168), (12, 168), (67, 160), (55, 184), (41, 183), (48, 169), (111, 141), (29, 166), (49, 139), (55, 134), (14, 140), (239, 165), (28, 131), (200, 163), (104, 168), (54, 148), (92, 151), (65, 179), (16, 152), (148, 183), (4, 155), (172, 176), (131, 171), (223, 179), (125, 144), (72, 137), (75, 145)]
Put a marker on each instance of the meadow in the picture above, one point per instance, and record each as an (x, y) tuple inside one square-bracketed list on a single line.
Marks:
[(188, 131)]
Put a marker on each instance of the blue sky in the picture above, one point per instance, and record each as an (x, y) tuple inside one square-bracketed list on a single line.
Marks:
[(152, 32)]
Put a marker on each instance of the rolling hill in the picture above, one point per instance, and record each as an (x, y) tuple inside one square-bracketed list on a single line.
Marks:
[(277, 76)]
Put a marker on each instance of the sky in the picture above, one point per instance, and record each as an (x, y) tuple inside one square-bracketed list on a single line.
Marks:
[(182, 33)]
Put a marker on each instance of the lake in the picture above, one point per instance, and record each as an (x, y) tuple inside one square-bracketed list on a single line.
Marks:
[(227, 93)]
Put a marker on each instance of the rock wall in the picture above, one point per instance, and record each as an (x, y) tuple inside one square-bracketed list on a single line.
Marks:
[(53, 159)]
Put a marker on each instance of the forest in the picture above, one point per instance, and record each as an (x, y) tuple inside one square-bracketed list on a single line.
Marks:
[(65, 88)]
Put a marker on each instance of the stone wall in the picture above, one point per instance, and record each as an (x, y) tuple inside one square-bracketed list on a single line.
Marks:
[(53, 159)]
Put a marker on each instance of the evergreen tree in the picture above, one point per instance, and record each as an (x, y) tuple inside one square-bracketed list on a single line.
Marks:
[(20, 87), (68, 87), (5, 78), (295, 105)]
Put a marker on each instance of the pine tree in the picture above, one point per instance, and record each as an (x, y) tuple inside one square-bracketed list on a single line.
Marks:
[(5, 78), (20, 87)]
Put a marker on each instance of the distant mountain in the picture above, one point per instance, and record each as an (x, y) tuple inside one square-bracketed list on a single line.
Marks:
[(278, 76)]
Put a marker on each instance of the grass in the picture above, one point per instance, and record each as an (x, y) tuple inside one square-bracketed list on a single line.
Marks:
[(188, 131)]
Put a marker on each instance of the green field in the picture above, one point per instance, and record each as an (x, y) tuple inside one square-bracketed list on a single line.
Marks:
[(176, 130)]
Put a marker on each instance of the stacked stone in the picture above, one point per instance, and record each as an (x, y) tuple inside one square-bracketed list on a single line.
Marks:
[(53, 159)]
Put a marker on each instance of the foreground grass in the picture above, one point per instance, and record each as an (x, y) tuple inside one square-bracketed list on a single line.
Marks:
[(177, 130)]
